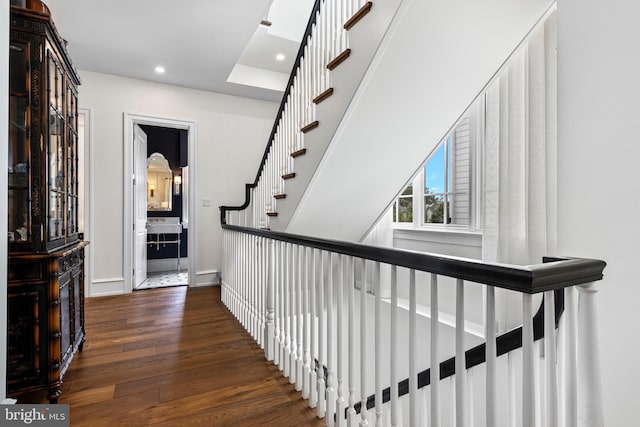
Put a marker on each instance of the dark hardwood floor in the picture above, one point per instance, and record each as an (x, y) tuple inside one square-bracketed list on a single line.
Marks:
[(175, 357)]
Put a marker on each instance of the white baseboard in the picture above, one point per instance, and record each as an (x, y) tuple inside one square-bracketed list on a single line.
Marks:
[(106, 287), (206, 278)]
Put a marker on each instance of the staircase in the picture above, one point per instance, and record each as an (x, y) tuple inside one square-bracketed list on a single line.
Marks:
[(307, 301), (341, 39)]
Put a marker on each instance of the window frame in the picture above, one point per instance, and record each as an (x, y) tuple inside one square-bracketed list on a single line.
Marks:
[(476, 115)]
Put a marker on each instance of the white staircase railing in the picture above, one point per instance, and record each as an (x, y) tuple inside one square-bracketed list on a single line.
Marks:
[(309, 304), (325, 44)]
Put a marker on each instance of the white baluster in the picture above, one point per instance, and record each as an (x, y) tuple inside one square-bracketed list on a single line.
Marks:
[(278, 303), (589, 377), (270, 330), (287, 310), (378, 343), (512, 406), (331, 392), (461, 386), (364, 421), (435, 350), (342, 404), (550, 355), (528, 358), (283, 305), (313, 378), (351, 284), (300, 316), (321, 409), (393, 347), (291, 259), (490, 334), (413, 351), (308, 325), (570, 357)]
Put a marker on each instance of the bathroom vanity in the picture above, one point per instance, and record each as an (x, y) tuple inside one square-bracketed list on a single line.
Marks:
[(45, 294)]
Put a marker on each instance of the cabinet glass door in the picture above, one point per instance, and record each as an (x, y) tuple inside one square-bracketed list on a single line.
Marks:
[(72, 160), (18, 191), (56, 150)]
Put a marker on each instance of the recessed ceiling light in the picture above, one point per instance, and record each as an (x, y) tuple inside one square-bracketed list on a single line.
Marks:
[(160, 69), (280, 57)]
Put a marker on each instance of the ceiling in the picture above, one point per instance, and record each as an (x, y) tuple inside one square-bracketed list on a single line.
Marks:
[(213, 45)]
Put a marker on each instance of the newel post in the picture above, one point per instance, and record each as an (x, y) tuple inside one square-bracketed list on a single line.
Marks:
[(269, 331), (590, 411)]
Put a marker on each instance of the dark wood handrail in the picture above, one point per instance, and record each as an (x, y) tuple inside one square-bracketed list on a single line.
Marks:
[(556, 273), (287, 91)]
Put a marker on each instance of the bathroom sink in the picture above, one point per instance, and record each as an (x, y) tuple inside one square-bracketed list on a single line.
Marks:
[(168, 225)]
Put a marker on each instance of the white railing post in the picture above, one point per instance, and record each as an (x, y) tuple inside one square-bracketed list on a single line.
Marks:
[(269, 332), (590, 411)]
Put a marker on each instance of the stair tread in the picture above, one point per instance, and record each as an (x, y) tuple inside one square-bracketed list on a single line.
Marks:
[(358, 15), (289, 175), (310, 126), (279, 196), (339, 59), (272, 213), (298, 153), (324, 95)]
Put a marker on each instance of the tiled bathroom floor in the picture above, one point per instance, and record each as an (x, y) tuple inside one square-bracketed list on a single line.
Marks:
[(164, 279)]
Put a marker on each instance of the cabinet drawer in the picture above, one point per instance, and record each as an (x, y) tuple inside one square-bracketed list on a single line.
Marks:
[(20, 271)]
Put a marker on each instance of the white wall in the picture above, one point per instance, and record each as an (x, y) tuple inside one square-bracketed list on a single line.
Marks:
[(599, 177), (232, 134), (433, 62), (4, 134)]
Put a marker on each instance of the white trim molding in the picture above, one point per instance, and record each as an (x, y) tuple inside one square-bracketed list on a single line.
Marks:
[(140, 119), (107, 287), (89, 192), (207, 278)]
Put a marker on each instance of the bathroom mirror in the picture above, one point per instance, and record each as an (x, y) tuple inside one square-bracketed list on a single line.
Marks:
[(159, 181)]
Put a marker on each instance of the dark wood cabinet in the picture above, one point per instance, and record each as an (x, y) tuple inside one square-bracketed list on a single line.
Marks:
[(45, 297)]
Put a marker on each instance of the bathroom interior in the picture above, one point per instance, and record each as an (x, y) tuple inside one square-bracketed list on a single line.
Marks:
[(167, 207)]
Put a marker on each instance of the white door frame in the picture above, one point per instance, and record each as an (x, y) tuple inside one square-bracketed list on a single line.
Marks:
[(87, 113), (128, 236)]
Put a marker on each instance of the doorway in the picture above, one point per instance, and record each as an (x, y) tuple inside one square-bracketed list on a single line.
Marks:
[(135, 203)]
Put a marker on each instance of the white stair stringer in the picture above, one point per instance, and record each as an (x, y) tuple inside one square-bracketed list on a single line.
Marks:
[(436, 57), (364, 40)]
